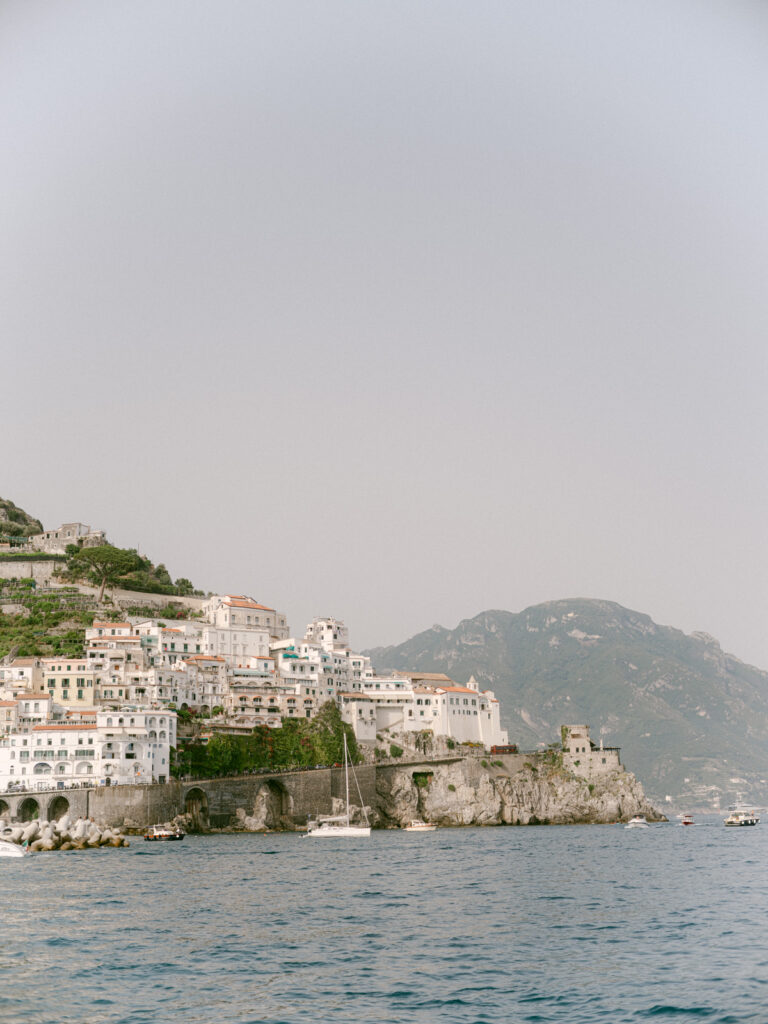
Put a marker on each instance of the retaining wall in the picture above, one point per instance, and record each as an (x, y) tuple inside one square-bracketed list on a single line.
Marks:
[(293, 798)]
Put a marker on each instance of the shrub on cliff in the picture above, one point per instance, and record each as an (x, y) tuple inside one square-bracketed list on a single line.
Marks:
[(298, 743)]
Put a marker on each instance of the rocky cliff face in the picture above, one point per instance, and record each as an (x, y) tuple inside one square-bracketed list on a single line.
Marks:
[(466, 793)]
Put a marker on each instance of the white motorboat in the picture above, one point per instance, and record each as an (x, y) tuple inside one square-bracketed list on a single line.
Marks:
[(163, 834), (11, 849), (637, 822), (334, 826), (687, 819), (741, 817), (419, 826)]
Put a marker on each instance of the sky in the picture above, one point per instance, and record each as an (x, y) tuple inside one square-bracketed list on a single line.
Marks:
[(395, 312)]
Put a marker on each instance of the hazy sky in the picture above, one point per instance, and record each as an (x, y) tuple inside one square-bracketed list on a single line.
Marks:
[(396, 311)]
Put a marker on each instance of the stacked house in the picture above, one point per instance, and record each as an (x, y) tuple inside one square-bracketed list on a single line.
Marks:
[(109, 716)]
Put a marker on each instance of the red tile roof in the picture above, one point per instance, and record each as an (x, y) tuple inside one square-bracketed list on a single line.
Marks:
[(240, 602)]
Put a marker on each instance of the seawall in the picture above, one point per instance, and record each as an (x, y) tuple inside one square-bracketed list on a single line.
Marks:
[(279, 800)]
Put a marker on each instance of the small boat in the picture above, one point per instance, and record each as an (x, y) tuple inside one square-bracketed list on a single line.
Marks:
[(637, 822), (740, 817), (419, 826), (162, 834), (687, 819), (338, 825), (11, 849)]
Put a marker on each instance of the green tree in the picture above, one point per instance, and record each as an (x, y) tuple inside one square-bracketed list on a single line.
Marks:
[(162, 575), (103, 565)]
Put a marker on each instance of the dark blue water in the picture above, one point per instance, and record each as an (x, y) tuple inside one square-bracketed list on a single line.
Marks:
[(467, 926)]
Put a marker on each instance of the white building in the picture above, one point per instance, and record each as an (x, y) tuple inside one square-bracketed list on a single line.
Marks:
[(462, 713), (131, 745), (331, 634), (135, 745), (238, 612), (22, 673)]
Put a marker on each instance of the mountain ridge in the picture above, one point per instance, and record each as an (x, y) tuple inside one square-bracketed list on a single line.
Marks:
[(692, 719)]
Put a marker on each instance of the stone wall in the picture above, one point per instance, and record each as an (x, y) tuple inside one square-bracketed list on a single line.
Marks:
[(40, 570), (282, 800)]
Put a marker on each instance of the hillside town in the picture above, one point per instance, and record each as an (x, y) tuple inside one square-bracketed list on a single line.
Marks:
[(110, 716)]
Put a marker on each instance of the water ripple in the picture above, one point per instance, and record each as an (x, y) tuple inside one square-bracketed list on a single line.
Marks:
[(472, 926)]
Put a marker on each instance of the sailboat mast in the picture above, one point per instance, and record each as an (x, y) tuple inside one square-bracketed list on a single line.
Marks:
[(346, 775)]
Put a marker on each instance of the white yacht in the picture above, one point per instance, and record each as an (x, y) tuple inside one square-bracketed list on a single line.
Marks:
[(333, 826), (637, 822)]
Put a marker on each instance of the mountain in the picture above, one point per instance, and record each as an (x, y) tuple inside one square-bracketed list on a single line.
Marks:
[(692, 720)]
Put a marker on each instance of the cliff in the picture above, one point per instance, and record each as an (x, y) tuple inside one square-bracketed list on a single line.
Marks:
[(466, 793)]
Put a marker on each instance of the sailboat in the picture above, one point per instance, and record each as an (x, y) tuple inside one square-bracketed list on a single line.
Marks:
[(338, 825)]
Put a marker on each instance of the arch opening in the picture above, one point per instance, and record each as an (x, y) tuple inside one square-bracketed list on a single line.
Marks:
[(57, 808), (196, 809), (29, 809), (276, 801)]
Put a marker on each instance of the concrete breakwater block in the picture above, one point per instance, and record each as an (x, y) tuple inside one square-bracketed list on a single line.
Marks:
[(63, 834)]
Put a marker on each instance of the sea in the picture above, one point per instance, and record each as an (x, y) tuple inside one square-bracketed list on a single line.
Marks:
[(539, 924)]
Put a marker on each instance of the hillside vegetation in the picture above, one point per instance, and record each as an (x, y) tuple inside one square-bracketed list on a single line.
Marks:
[(15, 522), (124, 568), (52, 621), (298, 743), (692, 721), (47, 624)]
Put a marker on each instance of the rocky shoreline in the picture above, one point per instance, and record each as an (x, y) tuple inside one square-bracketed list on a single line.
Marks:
[(480, 792), (471, 793)]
